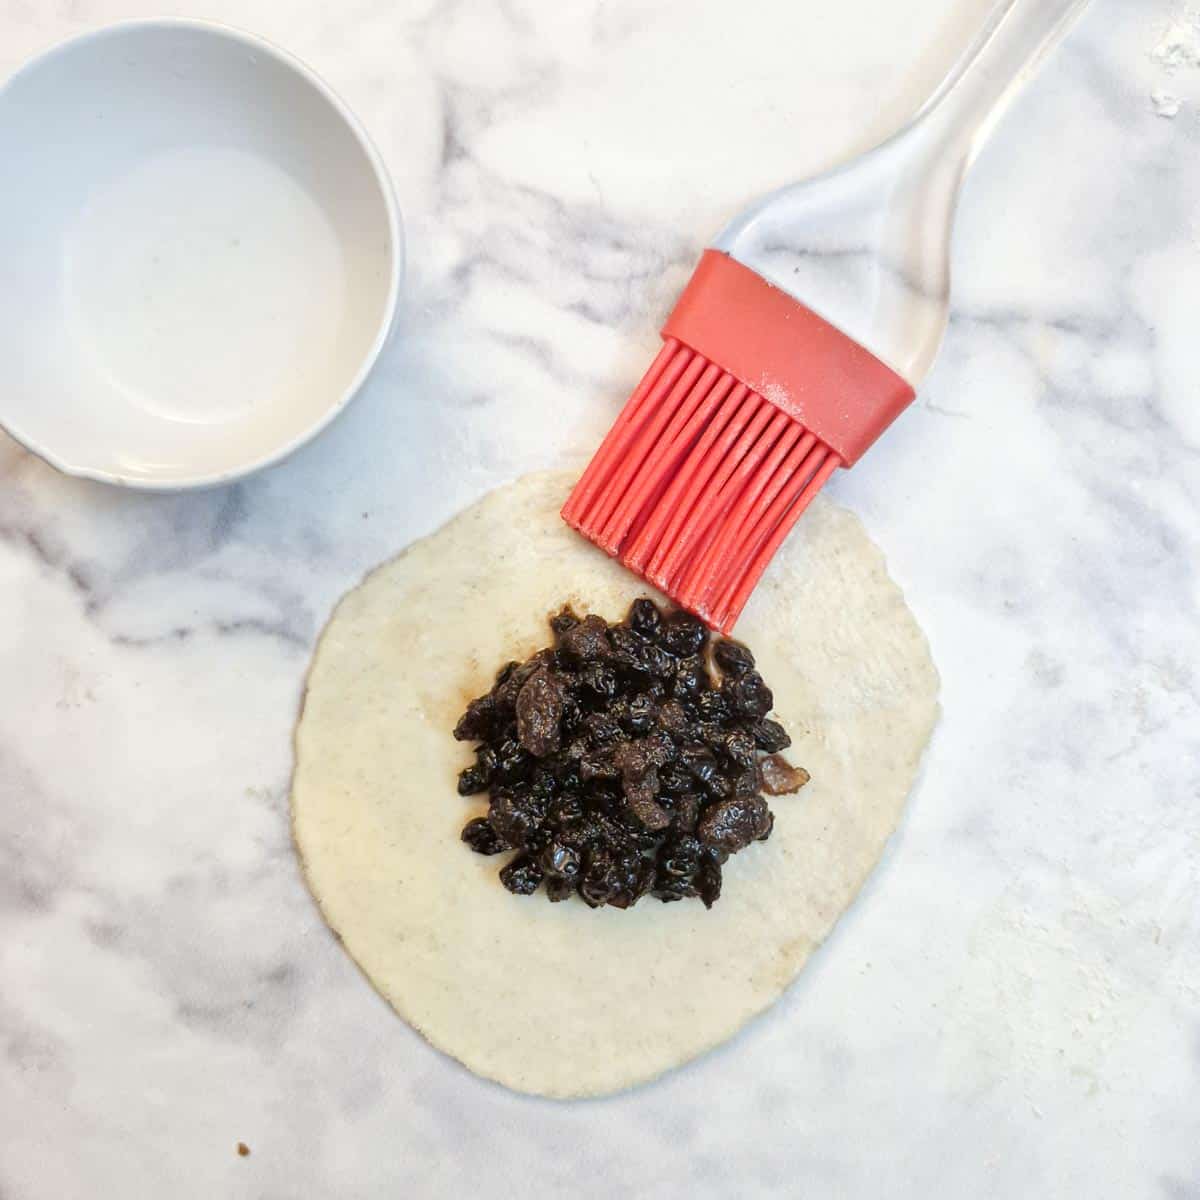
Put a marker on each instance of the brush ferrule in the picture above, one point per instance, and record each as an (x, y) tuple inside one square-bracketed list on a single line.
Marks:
[(789, 355)]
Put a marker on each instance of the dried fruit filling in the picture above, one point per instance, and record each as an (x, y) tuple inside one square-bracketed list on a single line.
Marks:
[(625, 760)]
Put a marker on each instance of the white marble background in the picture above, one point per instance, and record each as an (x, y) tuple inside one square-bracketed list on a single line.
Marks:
[(1013, 1007)]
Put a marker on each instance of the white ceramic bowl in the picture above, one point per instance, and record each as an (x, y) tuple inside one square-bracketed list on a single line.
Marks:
[(200, 255)]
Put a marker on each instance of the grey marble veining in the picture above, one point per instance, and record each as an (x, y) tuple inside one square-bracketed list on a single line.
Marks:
[(1013, 1007)]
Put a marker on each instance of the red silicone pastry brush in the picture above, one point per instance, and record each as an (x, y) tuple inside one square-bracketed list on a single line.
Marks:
[(801, 336)]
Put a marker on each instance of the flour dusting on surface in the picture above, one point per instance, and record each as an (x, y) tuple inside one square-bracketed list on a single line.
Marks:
[(1177, 49), (777, 393), (1179, 45), (1165, 105)]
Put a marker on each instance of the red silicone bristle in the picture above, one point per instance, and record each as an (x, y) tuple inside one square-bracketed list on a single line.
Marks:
[(698, 483), (664, 527), (715, 389), (703, 572), (666, 369), (742, 582), (752, 525), (758, 471), (709, 513), (662, 403), (671, 557), (651, 457)]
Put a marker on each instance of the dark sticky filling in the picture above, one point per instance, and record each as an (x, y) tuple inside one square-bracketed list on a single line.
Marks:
[(624, 760)]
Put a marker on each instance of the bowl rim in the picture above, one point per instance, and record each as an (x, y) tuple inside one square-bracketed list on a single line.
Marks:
[(395, 228)]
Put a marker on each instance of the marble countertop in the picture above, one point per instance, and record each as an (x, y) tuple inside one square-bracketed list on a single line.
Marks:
[(1013, 1007)]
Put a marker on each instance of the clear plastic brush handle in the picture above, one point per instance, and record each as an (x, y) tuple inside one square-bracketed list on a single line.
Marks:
[(867, 244)]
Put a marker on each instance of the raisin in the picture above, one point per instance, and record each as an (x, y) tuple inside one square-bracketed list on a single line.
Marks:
[(586, 641), (627, 649), (634, 878), (683, 634), (567, 810), (543, 785), (748, 783), (476, 723), (539, 713), (504, 696), (482, 838), (599, 682), (658, 665), (779, 777), (559, 889), (733, 824), (512, 762), (600, 877), (680, 858), (602, 728), (685, 811), (640, 798), (713, 708), (472, 780), (477, 778), (690, 678), (644, 618), (739, 745), (632, 760), (732, 658), (766, 833), (566, 772), (708, 883), (597, 766), (563, 620), (675, 780), (572, 713), (699, 761), (720, 786), (522, 876), (538, 839), (748, 695), (660, 747), (514, 818), (604, 799), (673, 718), (668, 889), (560, 860), (770, 735), (642, 715)]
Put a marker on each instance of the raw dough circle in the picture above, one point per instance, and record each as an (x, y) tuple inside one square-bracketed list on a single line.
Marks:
[(558, 999)]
